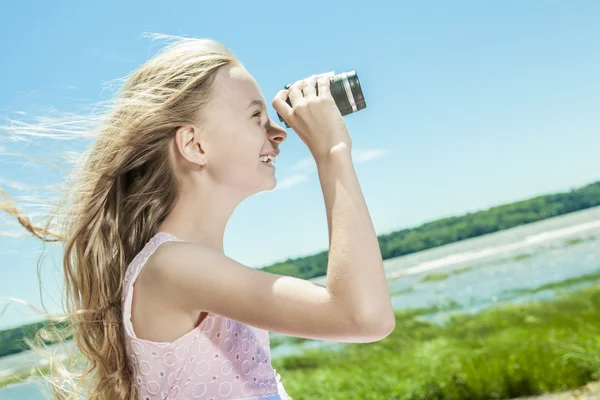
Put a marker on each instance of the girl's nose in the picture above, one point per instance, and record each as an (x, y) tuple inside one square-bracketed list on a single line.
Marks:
[(276, 132)]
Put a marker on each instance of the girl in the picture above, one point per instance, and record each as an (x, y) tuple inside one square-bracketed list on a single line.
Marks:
[(156, 307)]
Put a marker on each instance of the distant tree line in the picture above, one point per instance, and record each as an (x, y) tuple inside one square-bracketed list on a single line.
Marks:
[(14, 340), (454, 229)]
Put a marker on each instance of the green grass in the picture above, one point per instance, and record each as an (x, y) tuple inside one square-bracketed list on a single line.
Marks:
[(402, 291), (23, 375), (435, 277), (442, 276), (574, 241), (500, 353)]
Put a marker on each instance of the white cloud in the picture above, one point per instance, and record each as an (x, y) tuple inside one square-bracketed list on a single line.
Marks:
[(14, 185), (358, 155), (363, 156), (305, 165), (308, 166), (291, 181), (30, 93), (14, 234)]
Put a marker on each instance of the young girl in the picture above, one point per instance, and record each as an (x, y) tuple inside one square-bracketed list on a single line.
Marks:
[(156, 307)]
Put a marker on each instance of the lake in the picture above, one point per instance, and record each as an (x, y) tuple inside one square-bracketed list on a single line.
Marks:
[(477, 273)]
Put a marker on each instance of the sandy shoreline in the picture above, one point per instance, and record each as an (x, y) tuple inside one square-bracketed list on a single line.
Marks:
[(588, 392)]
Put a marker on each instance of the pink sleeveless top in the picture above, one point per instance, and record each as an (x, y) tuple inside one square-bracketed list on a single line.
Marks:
[(219, 359)]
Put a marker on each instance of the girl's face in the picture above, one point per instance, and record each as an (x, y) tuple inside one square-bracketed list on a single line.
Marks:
[(237, 130)]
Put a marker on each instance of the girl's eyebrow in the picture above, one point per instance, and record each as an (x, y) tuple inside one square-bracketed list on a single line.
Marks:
[(257, 103)]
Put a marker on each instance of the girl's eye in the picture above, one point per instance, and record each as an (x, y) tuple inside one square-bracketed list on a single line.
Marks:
[(258, 114)]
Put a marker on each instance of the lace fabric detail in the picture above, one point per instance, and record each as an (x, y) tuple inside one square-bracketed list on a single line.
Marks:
[(219, 359)]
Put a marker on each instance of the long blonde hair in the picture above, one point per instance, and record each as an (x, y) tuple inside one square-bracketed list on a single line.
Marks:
[(114, 202)]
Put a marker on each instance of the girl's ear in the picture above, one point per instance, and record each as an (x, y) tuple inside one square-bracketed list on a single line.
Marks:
[(187, 143)]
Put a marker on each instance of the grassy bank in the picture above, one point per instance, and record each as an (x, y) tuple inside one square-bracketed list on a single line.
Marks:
[(500, 353), (503, 352), (23, 375)]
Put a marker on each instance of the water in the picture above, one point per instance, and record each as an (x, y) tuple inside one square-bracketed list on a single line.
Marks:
[(24, 361), (28, 391), (524, 257)]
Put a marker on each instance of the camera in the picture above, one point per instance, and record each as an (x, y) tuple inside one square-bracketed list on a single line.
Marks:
[(345, 90)]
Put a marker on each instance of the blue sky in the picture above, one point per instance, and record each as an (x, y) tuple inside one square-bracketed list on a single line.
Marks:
[(470, 104)]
